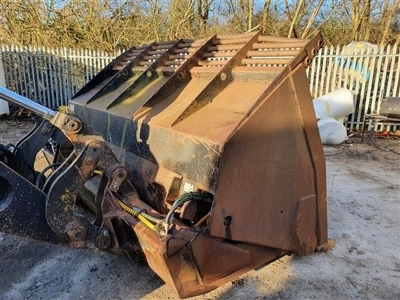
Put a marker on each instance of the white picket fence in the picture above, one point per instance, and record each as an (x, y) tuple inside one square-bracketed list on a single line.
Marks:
[(51, 76)]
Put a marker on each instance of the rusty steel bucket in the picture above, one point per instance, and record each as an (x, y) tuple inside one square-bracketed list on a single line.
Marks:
[(217, 139)]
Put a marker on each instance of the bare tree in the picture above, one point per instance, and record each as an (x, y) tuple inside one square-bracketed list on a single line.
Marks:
[(387, 18), (250, 15), (202, 14), (265, 15), (113, 24), (181, 17), (365, 20), (312, 19), (245, 14), (361, 11), (295, 18)]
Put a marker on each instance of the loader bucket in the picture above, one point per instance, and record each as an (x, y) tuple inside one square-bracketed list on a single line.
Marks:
[(216, 139)]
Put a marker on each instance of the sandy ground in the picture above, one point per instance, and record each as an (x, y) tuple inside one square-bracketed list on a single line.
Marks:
[(364, 216)]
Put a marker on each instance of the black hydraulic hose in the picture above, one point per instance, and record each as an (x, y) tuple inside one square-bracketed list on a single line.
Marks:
[(41, 174)]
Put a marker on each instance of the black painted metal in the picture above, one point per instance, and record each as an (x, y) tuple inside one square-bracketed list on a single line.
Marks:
[(123, 75), (22, 207), (107, 73), (29, 146)]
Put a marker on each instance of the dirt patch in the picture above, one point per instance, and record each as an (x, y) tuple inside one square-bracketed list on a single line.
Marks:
[(363, 205), (14, 129)]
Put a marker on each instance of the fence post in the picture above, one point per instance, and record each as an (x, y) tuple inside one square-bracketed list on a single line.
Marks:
[(4, 109)]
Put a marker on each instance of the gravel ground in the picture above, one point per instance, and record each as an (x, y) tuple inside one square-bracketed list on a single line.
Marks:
[(364, 217)]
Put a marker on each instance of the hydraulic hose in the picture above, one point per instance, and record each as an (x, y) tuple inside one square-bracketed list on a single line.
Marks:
[(134, 211), (137, 214), (197, 196), (41, 174)]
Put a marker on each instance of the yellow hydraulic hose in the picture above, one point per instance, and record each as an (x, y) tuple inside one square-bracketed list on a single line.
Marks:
[(137, 215), (131, 210)]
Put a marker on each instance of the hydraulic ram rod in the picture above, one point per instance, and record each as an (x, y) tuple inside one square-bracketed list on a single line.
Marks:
[(36, 108)]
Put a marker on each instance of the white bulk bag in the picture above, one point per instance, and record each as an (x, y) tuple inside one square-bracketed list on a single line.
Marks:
[(332, 132), (336, 104)]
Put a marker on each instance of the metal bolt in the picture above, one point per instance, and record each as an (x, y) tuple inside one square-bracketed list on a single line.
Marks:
[(75, 232), (104, 239), (72, 125), (227, 221)]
